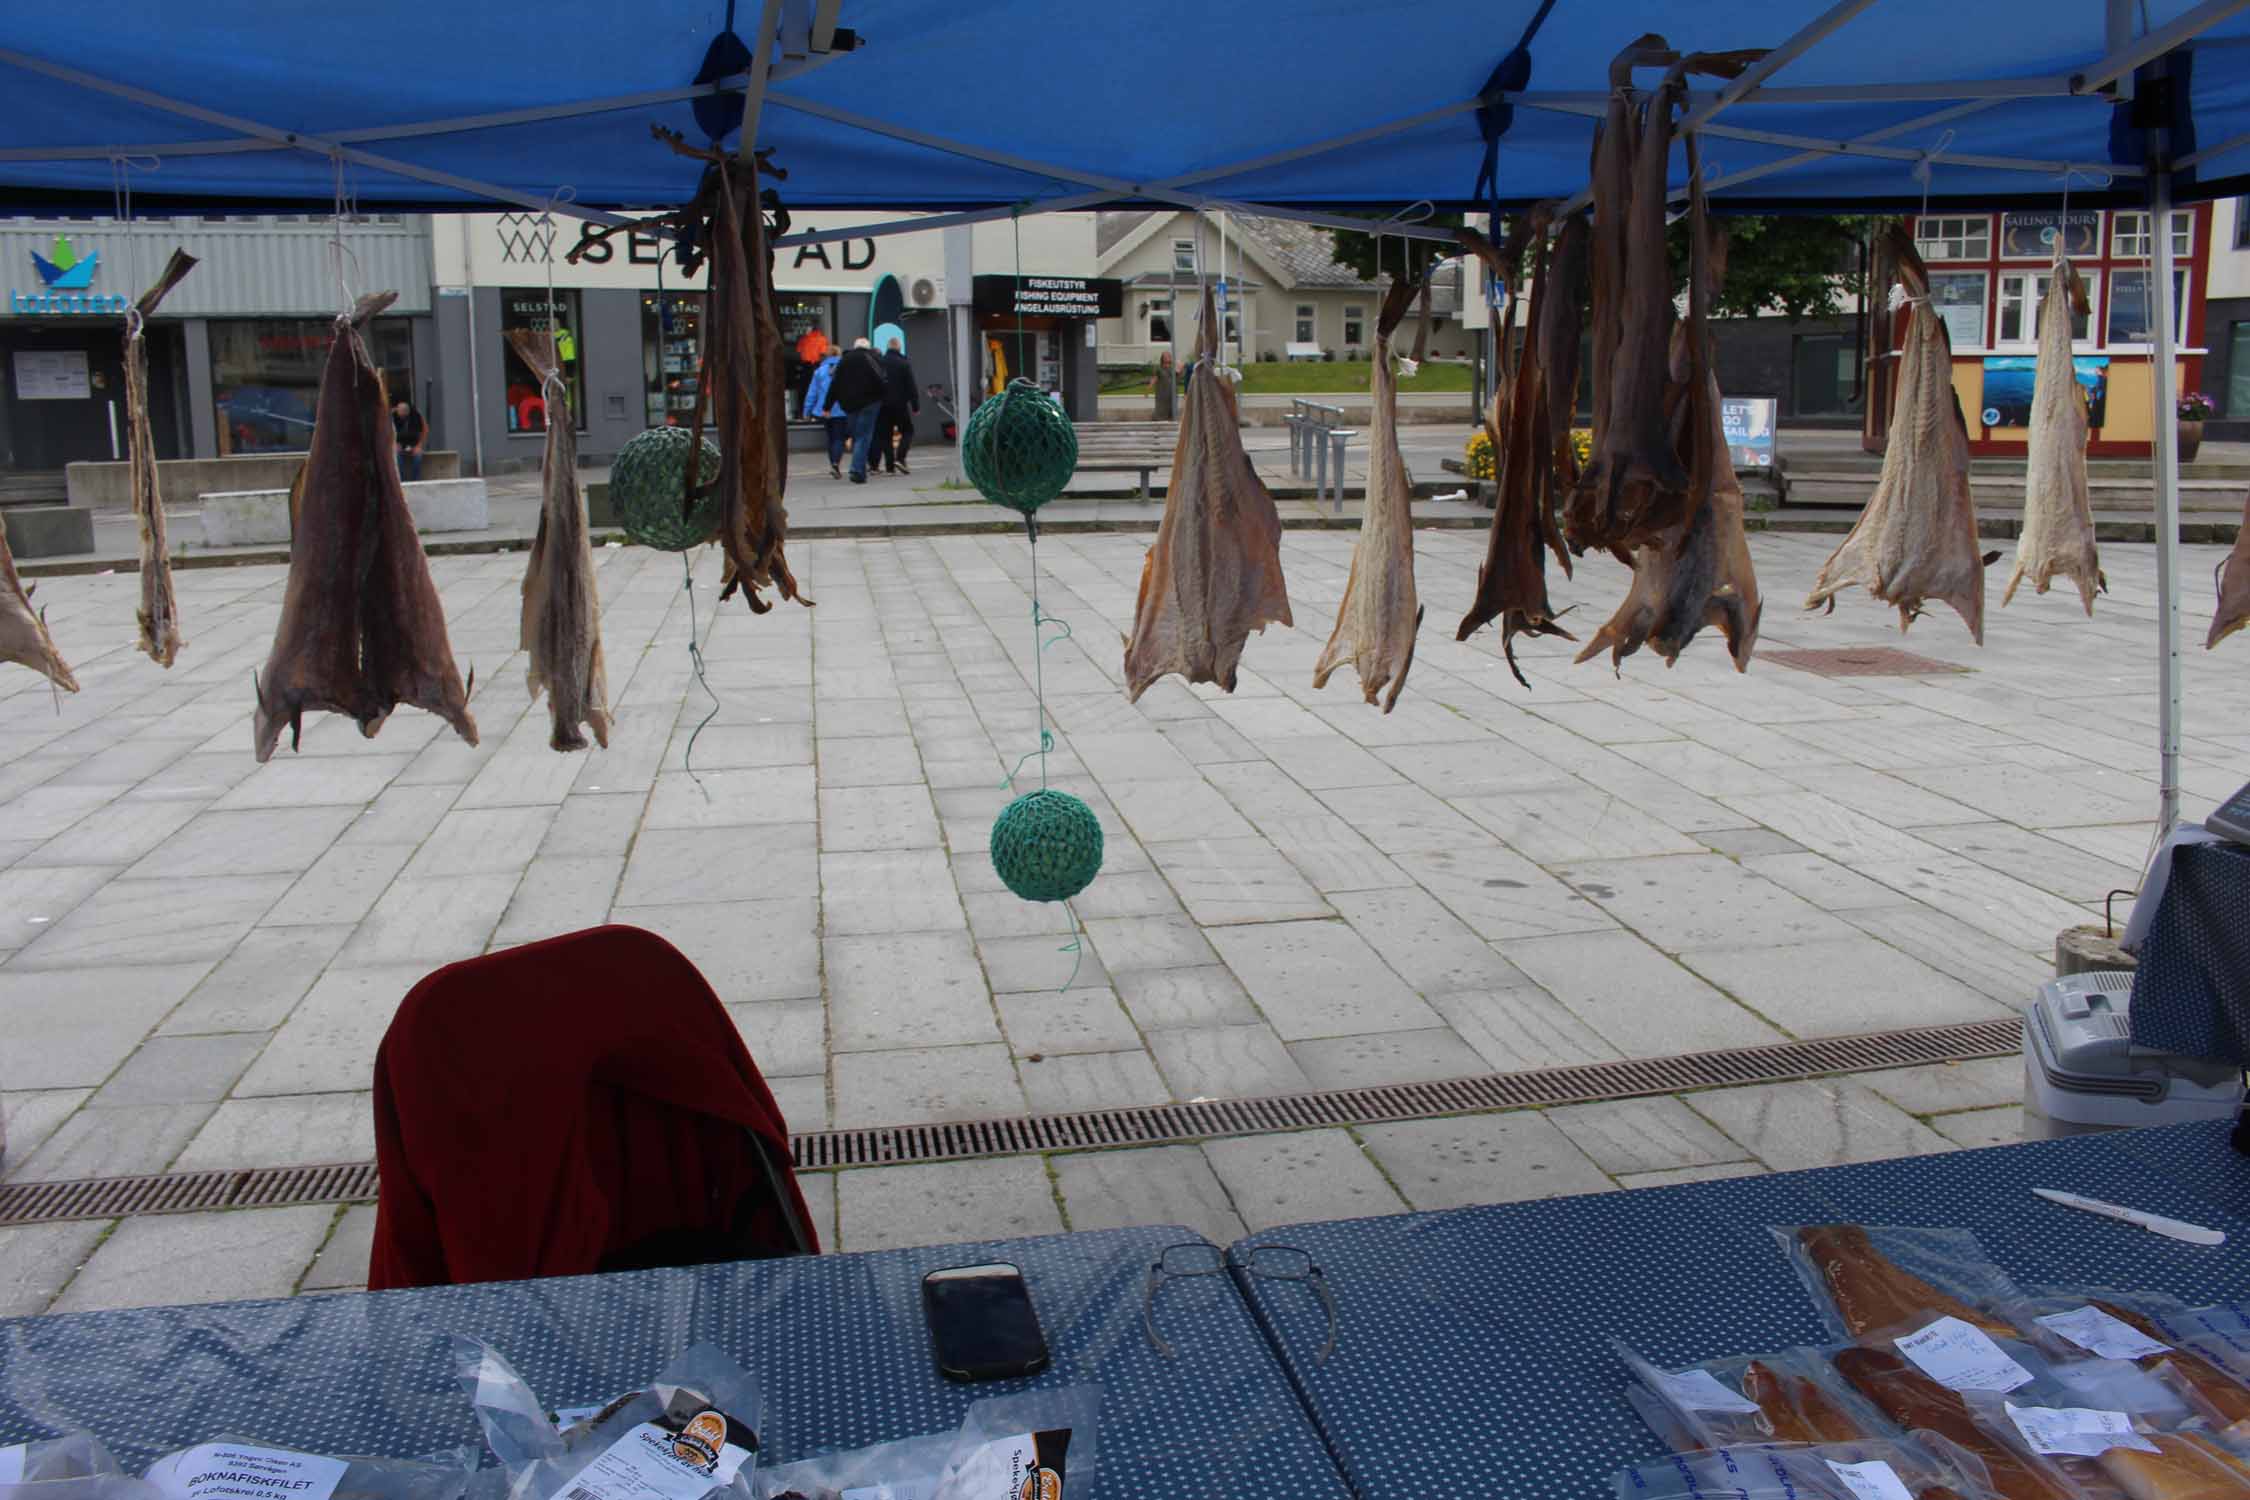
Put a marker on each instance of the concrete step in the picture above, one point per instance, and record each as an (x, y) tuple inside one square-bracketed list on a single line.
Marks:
[(1810, 465)]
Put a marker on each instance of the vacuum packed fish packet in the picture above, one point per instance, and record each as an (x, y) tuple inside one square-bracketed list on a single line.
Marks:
[(1793, 1396), (1878, 1470), (1038, 1445), (74, 1466), (240, 1469), (2201, 1354), (1865, 1278)]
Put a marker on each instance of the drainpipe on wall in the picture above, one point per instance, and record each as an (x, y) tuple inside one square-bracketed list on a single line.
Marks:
[(476, 386)]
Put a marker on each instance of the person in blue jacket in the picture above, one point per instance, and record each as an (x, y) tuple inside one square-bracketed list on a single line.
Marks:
[(817, 405)]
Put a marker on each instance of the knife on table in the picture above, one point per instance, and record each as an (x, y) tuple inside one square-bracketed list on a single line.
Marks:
[(2194, 1234)]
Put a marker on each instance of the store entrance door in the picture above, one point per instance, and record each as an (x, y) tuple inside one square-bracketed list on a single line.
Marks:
[(61, 381)]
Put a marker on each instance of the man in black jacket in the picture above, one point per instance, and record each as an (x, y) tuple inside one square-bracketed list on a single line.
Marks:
[(857, 387), (900, 405)]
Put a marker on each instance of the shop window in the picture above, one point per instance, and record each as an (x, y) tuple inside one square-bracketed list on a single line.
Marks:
[(265, 376), (1183, 256), (1304, 333), (1160, 321), (1957, 297), (2238, 369), (670, 357), (2242, 223), (1824, 375), (2129, 237), (808, 328), (2131, 319), (1954, 237), (2020, 293), (529, 307), (1355, 325)]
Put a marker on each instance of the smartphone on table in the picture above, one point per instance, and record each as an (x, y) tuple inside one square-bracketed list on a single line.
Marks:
[(982, 1323)]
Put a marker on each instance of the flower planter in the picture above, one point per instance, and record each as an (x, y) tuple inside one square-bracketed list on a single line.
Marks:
[(2190, 441)]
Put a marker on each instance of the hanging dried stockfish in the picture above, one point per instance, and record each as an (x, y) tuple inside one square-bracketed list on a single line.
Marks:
[(2058, 516), (2232, 578), (1504, 263), (1376, 622), (1512, 584), (160, 611), (1214, 574), (1917, 538), (362, 630), (562, 616), (1697, 571), (23, 630)]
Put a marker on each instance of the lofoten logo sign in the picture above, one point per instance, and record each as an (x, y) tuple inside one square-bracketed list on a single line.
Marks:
[(66, 279)]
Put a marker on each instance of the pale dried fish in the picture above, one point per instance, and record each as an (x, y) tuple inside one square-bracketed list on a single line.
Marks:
[(2058, 515), (23, 630), (160, 610), (562, 615)]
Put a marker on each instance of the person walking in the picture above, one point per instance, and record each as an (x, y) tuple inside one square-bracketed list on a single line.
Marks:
[(821, 408), (901, 404), (857, 388), (1164, 385), (410, 433)]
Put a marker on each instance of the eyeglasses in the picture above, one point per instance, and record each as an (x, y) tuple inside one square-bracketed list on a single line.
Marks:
[(1274, 1262)]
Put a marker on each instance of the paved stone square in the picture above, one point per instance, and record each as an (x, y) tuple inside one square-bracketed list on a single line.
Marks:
[(199, 955)]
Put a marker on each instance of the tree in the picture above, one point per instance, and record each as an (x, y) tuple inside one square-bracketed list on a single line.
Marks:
[(1416, 256)]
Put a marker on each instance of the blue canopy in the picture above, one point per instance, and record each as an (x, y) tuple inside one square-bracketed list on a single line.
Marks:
[(987, 103)]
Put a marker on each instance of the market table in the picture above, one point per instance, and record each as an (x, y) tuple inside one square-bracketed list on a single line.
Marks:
[(1473, 1348), (837, 1342)]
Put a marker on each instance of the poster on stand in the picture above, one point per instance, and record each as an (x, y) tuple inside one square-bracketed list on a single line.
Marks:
[(1749, 423)]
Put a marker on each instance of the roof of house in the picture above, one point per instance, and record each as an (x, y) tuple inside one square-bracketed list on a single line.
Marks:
[(1305, 254)]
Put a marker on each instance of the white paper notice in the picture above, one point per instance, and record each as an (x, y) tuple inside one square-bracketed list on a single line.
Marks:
[(1873, 1480), (11, 1464), (900, 1489), (2092, 1329), (2075, 1430), (646, 1464), (1700, 1390), (238, 1471), (1961, 1357)]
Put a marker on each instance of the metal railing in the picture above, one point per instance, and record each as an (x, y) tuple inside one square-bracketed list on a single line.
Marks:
[(1317, 440)]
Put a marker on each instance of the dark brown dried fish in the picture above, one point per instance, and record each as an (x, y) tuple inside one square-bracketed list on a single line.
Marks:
[(160, 611), (1214, 573), (1378, 618), (562, 615), (2232, 579), (362, 629), (23, 630)]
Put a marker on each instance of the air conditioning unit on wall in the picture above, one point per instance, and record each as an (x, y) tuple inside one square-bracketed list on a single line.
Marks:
[(925, 292)]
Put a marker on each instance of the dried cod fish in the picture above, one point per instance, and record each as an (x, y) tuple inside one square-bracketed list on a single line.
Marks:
[(159, 611), (1916, 540), (1214, 573), (362, 629), (1376, 622), (2058, 516), (2232, 579), (1529, 467), (562, 615), (23, 630)]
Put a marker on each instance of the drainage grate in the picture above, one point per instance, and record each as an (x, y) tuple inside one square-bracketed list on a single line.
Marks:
[(1163, 1124), (1860, 661)]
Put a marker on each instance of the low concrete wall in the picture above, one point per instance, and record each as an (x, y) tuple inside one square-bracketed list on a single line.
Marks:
[(48, 530), (179, 481), (248, 518)]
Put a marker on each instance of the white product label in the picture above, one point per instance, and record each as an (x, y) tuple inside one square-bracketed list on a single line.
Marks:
[(11, 1464), (1959, 1356), (567, 1417), (901, 1489), (1003, 1469), (2075, 1430), (237, 1471), (1873, 1480), (1700, 1390), (653, 1462), (2092, 1329)]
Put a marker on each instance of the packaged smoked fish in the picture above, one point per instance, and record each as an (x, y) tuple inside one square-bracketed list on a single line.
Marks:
[(1866, 1278), (1793, 1396), (1037, 1443), (238, 1469), (74, 1466), (1874, 1470), (692, 1433), (2202, 1354)]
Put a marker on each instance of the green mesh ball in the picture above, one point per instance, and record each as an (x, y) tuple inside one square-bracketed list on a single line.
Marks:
[(1047, 845), (1019, 448), (646, 482)]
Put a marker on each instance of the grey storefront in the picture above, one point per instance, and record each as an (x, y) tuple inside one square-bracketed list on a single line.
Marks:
[(235, 351)]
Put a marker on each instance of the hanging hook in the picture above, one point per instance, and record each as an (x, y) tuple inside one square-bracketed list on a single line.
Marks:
[(1923, 165)]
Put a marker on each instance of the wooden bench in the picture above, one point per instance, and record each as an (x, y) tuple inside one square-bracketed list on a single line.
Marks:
[(1138, 448)]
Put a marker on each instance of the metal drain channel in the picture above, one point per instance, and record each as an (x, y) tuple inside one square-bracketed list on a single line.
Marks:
[(1155, 1125)]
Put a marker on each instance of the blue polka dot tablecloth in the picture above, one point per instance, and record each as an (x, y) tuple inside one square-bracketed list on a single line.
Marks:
[(838, 1343), (1473, 1353), (2191, 993)]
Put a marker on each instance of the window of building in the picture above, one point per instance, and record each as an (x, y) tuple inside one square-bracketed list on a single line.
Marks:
[(1304, 333), (2131, 319), (528, 307), (1954, 237), (808, 327), (2242, 223), (1233, 334), (2129, 238), (670, 363), (1355, 325), (2020, 293), (1957, 297), (1183, 255), (1824, 375), (265, 376), (2238, 368), (1160, 321)]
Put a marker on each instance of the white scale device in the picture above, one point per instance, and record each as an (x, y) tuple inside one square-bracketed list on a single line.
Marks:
[(2230, 820)]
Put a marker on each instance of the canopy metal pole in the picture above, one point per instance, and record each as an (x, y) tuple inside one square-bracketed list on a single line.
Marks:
[(1821, 28), (754, 97), (2166, 416)]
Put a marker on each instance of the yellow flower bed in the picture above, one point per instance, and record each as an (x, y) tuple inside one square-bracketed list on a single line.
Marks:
[(1477, 457)]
